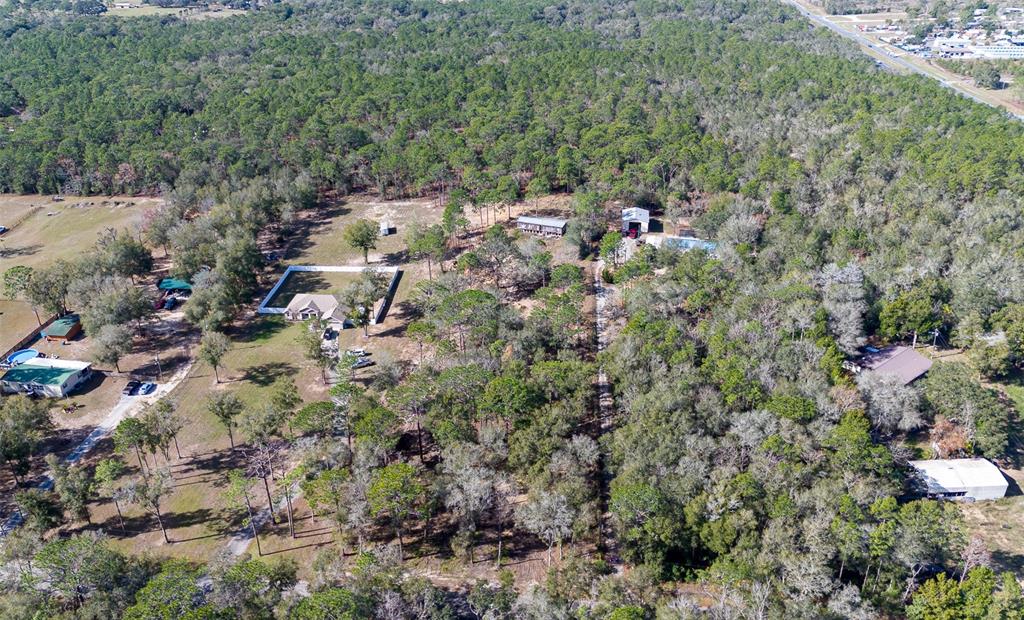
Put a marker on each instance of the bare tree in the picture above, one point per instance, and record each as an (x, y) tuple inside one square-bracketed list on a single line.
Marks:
[(549, 517), (149, 491), (975, 554)]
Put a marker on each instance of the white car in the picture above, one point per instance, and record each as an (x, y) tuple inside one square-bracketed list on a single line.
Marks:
[(357, 352)]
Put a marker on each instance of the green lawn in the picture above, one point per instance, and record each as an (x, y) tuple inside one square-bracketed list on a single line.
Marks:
[(322, 282)]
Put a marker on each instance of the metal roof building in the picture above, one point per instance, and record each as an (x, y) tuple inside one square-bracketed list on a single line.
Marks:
[(904, 362), (541, 225), (635, 218), (969, 479), (64, 328), (47, 376)]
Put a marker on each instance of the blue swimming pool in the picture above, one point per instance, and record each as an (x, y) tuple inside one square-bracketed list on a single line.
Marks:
[(22, 356)]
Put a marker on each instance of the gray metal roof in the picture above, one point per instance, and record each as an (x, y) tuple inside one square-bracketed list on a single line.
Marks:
[(905, 362), (553, 222)]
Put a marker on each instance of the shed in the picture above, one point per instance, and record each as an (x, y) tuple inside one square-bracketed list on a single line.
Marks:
[(47, 376), (905, 362), (64, 328), (967, 479), (635, 219), (174, 285), (542, 225)]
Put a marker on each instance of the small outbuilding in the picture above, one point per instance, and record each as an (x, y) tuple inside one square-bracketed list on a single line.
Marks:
[(904, 362), (63, 329), (548, 226), (635, 221), (963, 479), (46, 377)]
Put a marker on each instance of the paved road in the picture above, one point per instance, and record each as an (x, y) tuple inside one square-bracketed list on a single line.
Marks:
[(892, 61)]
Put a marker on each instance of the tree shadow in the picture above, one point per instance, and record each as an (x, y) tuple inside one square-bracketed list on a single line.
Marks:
[(1004, 561), (298, 282), (135, 525), (300, 233), (20, 251), (264, 375), (260, 329), (297, 547), (395, 259)]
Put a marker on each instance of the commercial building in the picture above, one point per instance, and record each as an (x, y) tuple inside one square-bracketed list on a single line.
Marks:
[(46, 377), (964, 479), (550, 226)]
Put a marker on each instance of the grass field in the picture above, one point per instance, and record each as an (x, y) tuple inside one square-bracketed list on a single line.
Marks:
[(313, 282), (48, 231), (1001, 524), (16, 321)]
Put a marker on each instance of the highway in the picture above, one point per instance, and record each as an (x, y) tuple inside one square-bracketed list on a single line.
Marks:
[(887, 58)]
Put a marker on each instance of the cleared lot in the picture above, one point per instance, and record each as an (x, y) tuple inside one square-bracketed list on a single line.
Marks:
[(44, 232)]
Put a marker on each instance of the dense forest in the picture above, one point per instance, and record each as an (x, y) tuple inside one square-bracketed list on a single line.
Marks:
[(849, 205)]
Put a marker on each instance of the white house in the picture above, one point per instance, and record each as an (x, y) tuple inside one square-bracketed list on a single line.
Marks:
[(635, 218), (304, 306), (46, 376), (967, 479)]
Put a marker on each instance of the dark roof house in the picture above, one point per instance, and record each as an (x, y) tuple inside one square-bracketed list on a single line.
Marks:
[(905, 362)]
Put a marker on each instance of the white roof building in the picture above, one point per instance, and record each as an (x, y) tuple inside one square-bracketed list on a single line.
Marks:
[(636, 218), (969, 479)]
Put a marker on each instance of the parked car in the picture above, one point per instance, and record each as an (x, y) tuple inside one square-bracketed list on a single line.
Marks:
[(357, 352), (131, 388), (3, 229), (147, 388), (362, 362)]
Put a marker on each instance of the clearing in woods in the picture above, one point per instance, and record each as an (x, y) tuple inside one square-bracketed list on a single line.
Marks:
[(43, 232)]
